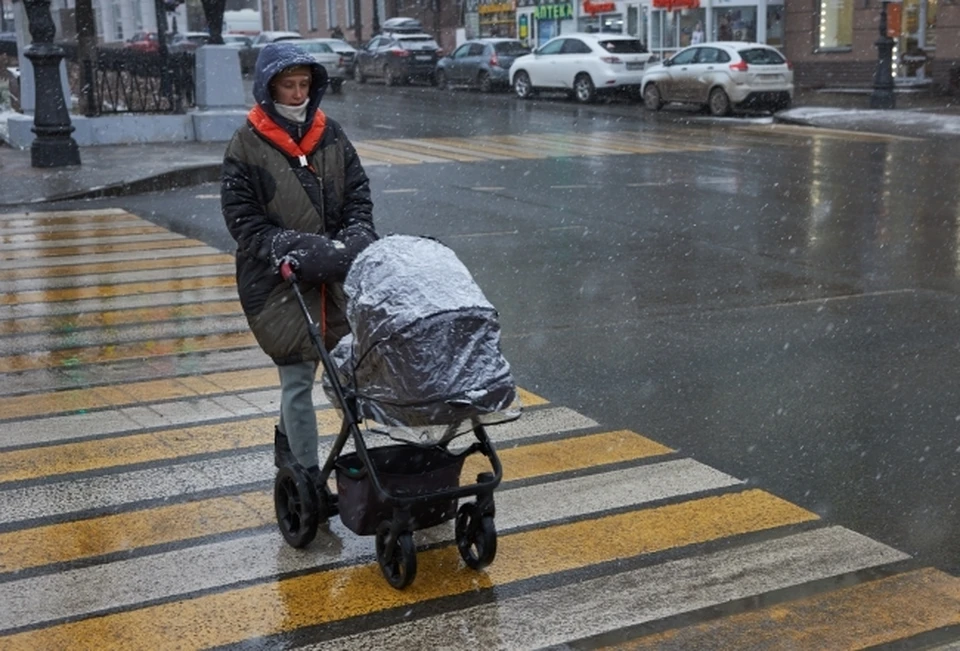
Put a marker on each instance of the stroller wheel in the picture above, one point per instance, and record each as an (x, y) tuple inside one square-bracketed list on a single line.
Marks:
[(295, 501), (476, 536), (398, 561)]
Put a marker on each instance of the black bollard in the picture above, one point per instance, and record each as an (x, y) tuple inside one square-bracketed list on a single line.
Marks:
[(883, 97), (53, 146)]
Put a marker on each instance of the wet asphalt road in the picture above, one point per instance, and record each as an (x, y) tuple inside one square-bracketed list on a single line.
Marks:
[(778, 303)]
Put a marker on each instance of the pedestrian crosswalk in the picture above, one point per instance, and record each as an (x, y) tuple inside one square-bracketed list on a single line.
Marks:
[(136, 508)]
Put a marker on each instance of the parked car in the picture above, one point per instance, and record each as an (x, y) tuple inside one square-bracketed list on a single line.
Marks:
[(401, 25), (187, 41), (8, 43), (248, 57), (484, 63), (332, 61), (721, 76), (398, 58), (239, 41), (143, 42), (344, 49), (583, 65)]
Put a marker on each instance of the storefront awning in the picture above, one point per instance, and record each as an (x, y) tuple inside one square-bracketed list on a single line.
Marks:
[(676, 5)]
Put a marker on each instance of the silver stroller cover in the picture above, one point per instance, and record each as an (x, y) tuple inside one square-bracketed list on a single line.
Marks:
[(424, 348)]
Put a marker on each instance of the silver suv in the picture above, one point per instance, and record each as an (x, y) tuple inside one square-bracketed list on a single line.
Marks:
[(721, 76)]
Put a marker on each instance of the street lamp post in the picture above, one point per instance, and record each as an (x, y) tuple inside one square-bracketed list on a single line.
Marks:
[(882, 96), (53, 146)]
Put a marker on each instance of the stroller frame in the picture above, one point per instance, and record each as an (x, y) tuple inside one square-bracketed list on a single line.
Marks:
[(303, 501)]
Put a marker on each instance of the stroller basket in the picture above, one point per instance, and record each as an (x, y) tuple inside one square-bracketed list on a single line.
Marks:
[(403, 471)]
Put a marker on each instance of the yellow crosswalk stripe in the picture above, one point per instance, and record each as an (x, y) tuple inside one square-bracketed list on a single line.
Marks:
[(93, 268), (109, 291), (63, 542), (135, 392), (66, 236), (113, 318), (61, 217), (265, 609), (101, 453), (115, 352), (93, 249), (858, 617)]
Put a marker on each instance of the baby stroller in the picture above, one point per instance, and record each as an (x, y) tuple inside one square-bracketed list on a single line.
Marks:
[(422, 365)]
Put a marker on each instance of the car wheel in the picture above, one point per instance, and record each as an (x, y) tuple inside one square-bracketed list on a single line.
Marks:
[(390, 77), (584, 89), (522, 86), (336, 85), (718, 102), (432, 80), (651, 98), (441, 80), (358, 76), (484, 82)]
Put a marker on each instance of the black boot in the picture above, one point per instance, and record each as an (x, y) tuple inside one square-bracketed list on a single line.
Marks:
[(282, 454), (323, 491)]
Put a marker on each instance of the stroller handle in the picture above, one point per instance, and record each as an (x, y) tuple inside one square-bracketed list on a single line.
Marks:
[(288, 270)]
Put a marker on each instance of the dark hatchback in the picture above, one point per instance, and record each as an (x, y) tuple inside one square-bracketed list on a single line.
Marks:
[(483, 63), (397, 58)]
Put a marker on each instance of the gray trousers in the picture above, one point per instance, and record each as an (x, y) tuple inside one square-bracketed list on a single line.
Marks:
[(298, 420)]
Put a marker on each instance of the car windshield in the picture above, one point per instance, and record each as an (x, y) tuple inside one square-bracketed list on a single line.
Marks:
[(627, 46), (420, 43), (761, 57), (315, 47), (511, 48)]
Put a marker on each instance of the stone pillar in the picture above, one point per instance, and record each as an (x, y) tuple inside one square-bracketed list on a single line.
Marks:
[(27, 83)]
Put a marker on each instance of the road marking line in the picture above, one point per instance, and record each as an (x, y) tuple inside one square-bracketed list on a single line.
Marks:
[(96, 249), (113, 318), (858, 617), (159, 235), (157, 255), (55, 217), (119, 278), (71, 357), (553, 617), (109, 291), (334, 595), (179, 479), (88, 538), (128, 266)]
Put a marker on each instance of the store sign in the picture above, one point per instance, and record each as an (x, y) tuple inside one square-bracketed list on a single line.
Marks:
[(553, 12), (496, 8), (594, 8), (676, 5)]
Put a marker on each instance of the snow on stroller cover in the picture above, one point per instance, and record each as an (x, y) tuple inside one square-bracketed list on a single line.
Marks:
[(423, 357)]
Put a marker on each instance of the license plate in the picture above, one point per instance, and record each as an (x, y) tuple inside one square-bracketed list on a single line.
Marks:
[(769, 77), (423, 57), (634, 65)]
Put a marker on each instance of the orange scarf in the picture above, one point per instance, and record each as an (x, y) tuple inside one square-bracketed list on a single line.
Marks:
[(278, 136)]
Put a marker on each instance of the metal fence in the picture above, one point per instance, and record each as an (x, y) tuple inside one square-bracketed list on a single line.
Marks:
[(126, 81)]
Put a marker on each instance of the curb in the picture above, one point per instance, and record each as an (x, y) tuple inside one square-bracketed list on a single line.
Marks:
[(179, 178)]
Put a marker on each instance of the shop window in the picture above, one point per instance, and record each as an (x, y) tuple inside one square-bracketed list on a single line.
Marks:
[(775, 25), (735, 24), (691, 26), (836, 24), (312, 15), (293, 18), (332, 14)]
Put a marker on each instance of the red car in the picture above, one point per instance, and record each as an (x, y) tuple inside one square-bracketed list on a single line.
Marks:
[(144, 42)]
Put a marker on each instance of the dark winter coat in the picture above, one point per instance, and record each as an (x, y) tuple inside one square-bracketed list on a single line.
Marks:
[(314, 209)]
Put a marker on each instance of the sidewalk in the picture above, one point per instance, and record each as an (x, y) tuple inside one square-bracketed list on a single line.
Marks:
[(133, 169)]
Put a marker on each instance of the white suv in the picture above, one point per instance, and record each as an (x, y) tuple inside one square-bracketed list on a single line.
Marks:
[(721, 76), (583, 65)]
